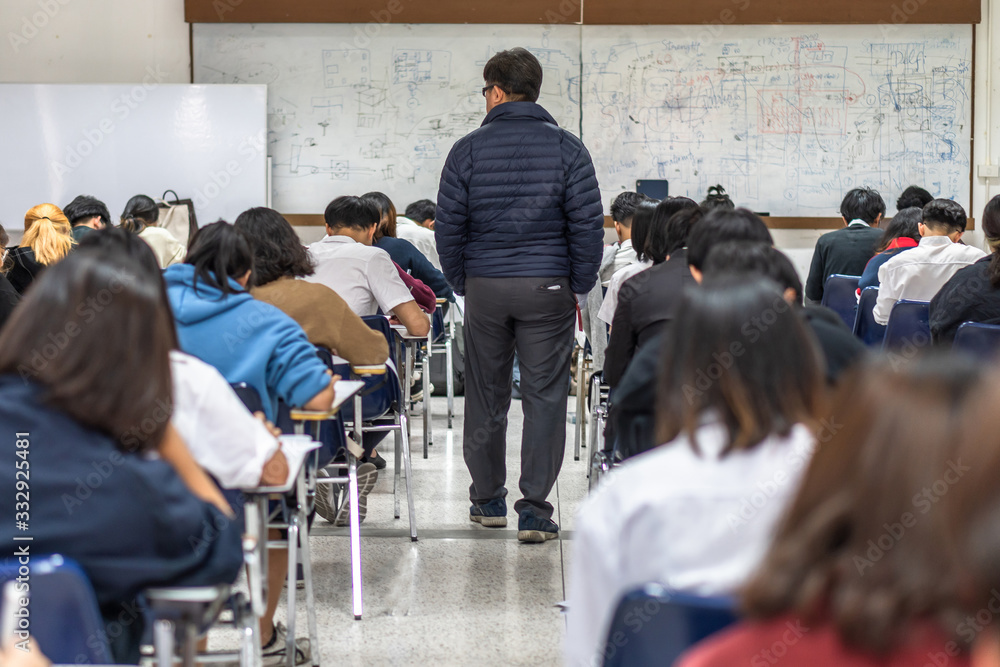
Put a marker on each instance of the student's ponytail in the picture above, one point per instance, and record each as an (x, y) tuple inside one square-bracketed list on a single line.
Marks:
[(991, 228), (140, 212), (47, 232)]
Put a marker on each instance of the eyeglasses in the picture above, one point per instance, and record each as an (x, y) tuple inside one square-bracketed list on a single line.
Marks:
[(493, 85)]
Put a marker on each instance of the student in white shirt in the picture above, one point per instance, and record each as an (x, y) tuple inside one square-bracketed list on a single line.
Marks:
[(641, 219), (363, 276), (621, 254), (920, 273), (139, 217), (422, 212), (738, 394)]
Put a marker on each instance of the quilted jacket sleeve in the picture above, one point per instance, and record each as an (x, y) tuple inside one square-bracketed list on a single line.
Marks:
[(451, 222), (585, 222)]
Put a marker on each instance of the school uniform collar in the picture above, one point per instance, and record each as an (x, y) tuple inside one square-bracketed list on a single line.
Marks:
[(858, 223)]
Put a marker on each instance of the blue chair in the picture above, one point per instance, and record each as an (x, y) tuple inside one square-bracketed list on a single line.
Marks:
[(654, 626), (909, 326), (866, 328), (841, 295), (979, 340), (66, 620)]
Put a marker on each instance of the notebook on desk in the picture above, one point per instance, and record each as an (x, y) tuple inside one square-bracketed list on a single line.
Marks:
[(345, 390), (295, 448)]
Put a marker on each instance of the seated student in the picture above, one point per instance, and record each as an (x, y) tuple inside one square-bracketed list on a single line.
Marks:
[(913, 197), (245, 339), (647, 300), (279, 258), (137, 525), (717, 198), (403, 253), (847, 250), (422, 212), (973, 293), (9, 297), (139, 217), (921, 272), (363, 276), (860, 573), (732, 419), (47, 239), (641, 219), (621, 254), (413, 229), (85, 214), (901, 234)]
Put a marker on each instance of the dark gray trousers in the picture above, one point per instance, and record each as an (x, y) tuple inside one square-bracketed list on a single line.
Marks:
[(536, 317)]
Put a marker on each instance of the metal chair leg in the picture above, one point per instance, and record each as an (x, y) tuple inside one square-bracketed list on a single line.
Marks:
[(409, 475), (449, 359), (397, 472), (580, 403), (426, 383), (293, 541), (163, 643), (355, 521)]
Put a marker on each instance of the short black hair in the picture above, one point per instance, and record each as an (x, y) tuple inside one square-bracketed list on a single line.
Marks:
[(905, 224), (421, 210), (723, 225), (84, 207), (351, 212), (757, 259), (945, 213), (862, 204), (515, 72), (717, 198), (277, 250), (913, 196), (623, 207), (218, 252), (671, 224)]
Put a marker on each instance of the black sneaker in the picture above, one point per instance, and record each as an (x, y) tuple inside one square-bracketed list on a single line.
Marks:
[(492, 514), (533, 528), (380, 463)]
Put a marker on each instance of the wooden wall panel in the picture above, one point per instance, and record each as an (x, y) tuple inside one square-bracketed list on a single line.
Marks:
[(382, 11), (873, 12)]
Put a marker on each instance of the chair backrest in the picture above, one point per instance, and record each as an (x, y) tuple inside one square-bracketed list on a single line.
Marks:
[(865, 327), (66, 621), (841, 295), (653, 626), (249, 396), (909, 326), (980, 340), (381, 324)]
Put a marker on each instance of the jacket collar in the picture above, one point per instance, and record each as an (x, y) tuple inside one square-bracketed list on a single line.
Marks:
[(935, 241), (519, 111)]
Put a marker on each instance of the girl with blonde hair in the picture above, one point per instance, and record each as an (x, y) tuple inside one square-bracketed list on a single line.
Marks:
[(47, 239)]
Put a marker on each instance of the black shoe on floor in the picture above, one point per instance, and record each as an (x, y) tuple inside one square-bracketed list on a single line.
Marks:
[(380, 463)]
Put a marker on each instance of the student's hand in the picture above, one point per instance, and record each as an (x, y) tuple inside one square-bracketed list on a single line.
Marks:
[(11, 656), (272, 429), (394, 320)]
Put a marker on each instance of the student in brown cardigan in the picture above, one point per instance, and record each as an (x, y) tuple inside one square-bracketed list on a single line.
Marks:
[(279, 259)]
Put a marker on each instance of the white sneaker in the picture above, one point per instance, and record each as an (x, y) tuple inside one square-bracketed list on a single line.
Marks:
[(274, 656)]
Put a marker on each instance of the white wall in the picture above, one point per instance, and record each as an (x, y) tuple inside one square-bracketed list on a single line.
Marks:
[(93, 41)]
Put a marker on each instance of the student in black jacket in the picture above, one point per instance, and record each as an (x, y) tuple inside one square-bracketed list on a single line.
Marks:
[(847, 251), (973, 293), (9, 297), (634, 400)]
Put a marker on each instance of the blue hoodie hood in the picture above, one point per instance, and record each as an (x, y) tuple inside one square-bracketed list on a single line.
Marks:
[(190, 307)]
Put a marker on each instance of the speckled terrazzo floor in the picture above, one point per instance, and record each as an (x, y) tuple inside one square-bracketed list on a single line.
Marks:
[(462, 594)]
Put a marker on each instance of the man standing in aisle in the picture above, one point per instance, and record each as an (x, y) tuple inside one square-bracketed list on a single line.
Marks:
[(519, 230)]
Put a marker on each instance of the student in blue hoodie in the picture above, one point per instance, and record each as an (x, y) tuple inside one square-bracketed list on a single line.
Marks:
[(85, 408), (247, 340)]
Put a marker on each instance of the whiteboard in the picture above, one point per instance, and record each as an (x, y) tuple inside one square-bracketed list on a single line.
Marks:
[(117, 141), (360, 107), (786, 118)]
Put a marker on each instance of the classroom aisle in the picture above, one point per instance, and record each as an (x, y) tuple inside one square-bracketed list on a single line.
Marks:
[(462, 594)]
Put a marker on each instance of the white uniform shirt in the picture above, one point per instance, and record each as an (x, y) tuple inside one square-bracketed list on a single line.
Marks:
[(168, 250), (607, 312), (920, 273), (695, 523), (224, 438), (363, 276), (421, 238)]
